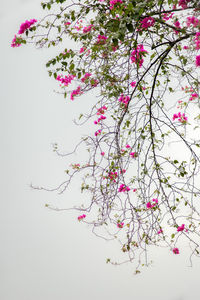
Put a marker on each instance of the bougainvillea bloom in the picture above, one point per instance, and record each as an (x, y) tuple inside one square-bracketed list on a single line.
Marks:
[(183, 3), (175, 251), (198, 60), (114, 2), (123, 188), (15, 42), (137, 55), (124, 99), (81, 217), (26, 25), (147, 22), (65, 80), (150, 204), (76, 93), (133, 84), (120, 225), (132, 154), (181, 117), (97, 132), (181, 228)]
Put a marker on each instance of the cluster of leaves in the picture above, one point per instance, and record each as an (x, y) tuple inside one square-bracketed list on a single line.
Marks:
[(108, 38)]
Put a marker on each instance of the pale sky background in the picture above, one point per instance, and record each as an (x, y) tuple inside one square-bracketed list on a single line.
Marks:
[(44, 254)]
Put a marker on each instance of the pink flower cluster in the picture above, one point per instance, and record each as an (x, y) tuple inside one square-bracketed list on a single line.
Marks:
[(124, 99), (198, 60), (137, 55), (132, 154), (197, 40), (160, 231), (112, 176), (181, 117), (193, 96), (120, 224), (86, 76), (176, 251), (82, 49), (183, 3), (101, 39), (16, 42), (114, 2), (147, 22), (167, 16), (178, 26), (99, 119), (97, 132), (192, 20), (87, 29), (181, 228), (26, 25), (81, 217), (123, 188), (65, 80), (101, 112), (75, 93), (150, 204), (133, 84), (23, 27)]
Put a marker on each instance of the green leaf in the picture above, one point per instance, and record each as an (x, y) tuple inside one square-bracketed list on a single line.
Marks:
[(112, 25), (130, 27)]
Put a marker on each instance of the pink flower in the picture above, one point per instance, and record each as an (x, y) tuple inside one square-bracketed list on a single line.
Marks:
[(175, 251), (181, 117), (66, 80), (97, 132), (102, 153), (177, 25), (81, 217), (133, 84), (87, 29), (197, 40), (134, 190), (193, 96), (198, 60), (192, 20), (101, 39), (167, 16), (181, 228), (16, 42), (150, 204), (132, 154), (124, 99), (183, 3), (82, 49), (123, 188), (147, 22), (76, 93), (120, 224), (67, 23), (160, 231), (128, 146), (114, 2), (86, 76), (137, 55), (26, 25)]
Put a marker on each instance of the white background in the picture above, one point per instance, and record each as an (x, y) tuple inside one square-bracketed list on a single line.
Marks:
[(44, 254)]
